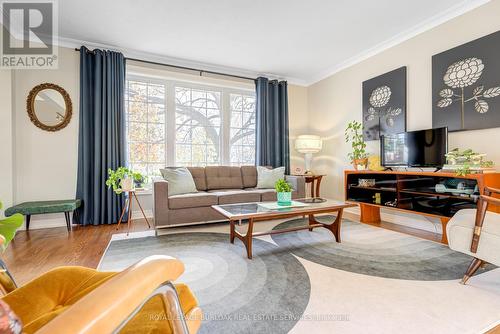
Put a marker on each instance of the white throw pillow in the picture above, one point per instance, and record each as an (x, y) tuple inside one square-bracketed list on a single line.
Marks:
[(180, 181), (267, 178)]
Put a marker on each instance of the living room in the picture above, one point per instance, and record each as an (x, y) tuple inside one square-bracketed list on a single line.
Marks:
[(236, 166)]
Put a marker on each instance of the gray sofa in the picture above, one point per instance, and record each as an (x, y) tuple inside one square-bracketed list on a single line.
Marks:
[(215, 185)]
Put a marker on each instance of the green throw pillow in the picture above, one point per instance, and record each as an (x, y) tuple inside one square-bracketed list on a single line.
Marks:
[(180, 181), (267, 178)]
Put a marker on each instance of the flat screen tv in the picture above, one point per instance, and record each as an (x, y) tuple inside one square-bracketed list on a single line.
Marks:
[(424, 148)]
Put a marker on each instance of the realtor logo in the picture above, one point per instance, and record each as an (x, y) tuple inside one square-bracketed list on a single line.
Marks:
[(29, 35)]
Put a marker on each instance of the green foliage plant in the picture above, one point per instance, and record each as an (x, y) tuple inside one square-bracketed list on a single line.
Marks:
[(115, 177), (282, 186), (354, 135)]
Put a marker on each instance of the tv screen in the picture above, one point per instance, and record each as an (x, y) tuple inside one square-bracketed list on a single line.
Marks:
[(424, 148)]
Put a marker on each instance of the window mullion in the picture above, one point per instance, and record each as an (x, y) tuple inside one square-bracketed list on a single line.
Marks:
[(226, 133), (170, 123)]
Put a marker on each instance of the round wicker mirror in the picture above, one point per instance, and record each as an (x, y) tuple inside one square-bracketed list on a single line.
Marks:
[(49, 107)]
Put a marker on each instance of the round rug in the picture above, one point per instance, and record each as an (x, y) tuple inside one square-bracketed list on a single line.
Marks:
[(267, 294), (374, 251)]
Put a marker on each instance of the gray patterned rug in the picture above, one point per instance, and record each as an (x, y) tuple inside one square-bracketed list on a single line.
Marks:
[(374, 251), (265, 295)]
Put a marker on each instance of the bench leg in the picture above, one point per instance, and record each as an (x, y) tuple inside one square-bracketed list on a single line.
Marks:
[(28, 218), (68, 221)]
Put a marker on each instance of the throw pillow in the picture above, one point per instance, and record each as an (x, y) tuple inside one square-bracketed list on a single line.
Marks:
[(180, 181), (267, 178)]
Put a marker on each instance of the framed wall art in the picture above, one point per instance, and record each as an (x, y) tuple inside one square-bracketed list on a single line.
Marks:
[(466, 85), (384, 104)]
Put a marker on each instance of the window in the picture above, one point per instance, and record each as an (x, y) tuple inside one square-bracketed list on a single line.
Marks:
[(198, 127), (145, 111), (184, 124), (242, 142)]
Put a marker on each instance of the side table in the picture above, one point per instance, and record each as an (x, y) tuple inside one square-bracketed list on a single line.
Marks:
[(128, 205), (313, 179)]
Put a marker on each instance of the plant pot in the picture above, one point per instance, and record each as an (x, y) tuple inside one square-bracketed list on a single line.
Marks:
[(360, 164), (284, 198), (127, 184)]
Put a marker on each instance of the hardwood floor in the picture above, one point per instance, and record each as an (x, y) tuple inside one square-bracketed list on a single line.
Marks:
[(37, 251)]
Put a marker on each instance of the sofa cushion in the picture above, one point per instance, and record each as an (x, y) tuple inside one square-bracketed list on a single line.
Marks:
[(231, 196), (180, 180), (194, 200), (249, 176), (223, 177), (199, 177), (267, 178), (266, 195)]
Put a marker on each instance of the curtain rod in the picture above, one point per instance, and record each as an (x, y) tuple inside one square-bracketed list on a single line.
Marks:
[(186, 68)]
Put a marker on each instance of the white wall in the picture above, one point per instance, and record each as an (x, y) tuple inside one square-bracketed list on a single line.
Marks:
[(336, 100), (6, 142), (45, 162)]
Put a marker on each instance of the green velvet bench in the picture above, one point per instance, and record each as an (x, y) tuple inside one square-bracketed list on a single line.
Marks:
[(41, 207)]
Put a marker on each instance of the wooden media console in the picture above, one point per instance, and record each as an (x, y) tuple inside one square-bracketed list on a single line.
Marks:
[(433, 194)]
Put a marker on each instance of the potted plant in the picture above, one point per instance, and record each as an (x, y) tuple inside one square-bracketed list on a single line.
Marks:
[(122, 179), (358, 156), (466, 162), (284, 192)]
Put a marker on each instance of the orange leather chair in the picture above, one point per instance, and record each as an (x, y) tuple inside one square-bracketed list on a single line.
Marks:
[(140, 299)]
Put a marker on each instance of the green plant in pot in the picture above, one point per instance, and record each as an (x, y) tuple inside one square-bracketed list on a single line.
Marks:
[(354, 135), (122, 179), (284, 192)]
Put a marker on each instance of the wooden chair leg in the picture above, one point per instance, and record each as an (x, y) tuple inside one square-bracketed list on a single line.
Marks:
[(473, 267)]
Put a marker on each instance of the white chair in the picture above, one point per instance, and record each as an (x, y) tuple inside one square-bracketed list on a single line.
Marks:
[(477, 233)]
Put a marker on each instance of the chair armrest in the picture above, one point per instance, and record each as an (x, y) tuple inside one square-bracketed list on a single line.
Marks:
[(298, 184), (488, 191), (110, 305), (160, 202), (482, 207)]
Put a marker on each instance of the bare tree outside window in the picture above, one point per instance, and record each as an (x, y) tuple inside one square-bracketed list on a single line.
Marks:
[(207, 125)]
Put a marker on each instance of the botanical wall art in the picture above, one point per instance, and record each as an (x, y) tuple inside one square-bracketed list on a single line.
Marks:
[(466, 85), (384, 104)]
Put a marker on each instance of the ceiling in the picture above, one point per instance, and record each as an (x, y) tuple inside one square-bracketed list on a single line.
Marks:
[(300, 40)]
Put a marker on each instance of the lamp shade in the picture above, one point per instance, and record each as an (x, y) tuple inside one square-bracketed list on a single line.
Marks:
[(308, 144)]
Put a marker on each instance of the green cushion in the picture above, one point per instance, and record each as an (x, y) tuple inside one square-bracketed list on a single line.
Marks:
[(39, 207)]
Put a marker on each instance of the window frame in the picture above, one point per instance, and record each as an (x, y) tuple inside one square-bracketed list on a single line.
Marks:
[(170, 112)]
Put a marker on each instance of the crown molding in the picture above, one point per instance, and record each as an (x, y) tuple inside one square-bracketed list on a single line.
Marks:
[(457, 10), (133, 53)]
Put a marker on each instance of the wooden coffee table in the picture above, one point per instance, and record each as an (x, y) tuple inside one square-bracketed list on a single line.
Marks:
[(253, 212)]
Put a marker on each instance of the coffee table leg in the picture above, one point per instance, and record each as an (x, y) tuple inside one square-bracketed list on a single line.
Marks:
[(333, 227), (247, 240), (311, 221), (231, 235)]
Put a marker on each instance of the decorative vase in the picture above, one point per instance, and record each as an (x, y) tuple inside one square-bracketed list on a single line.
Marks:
[(127, 184), (360, 164), (284, 198)]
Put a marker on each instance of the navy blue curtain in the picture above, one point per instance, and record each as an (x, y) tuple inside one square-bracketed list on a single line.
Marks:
[(273, 147), (101, 139)]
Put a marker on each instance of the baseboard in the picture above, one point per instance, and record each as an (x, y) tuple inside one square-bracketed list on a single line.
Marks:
[(58, 220), (406, 219)]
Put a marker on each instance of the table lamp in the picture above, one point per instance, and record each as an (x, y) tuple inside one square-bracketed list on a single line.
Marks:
[(308, 144)]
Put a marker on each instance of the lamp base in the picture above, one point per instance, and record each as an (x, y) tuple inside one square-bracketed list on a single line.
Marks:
[(308, 158)]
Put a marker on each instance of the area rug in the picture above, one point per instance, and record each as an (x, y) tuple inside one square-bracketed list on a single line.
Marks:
[(265, 295), (374, 251), (296, 284)]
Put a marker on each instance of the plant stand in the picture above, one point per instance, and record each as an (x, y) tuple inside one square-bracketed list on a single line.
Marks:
[(128, 204)]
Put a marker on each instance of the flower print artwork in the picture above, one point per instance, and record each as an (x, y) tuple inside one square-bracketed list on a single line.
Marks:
[(461, 74)]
